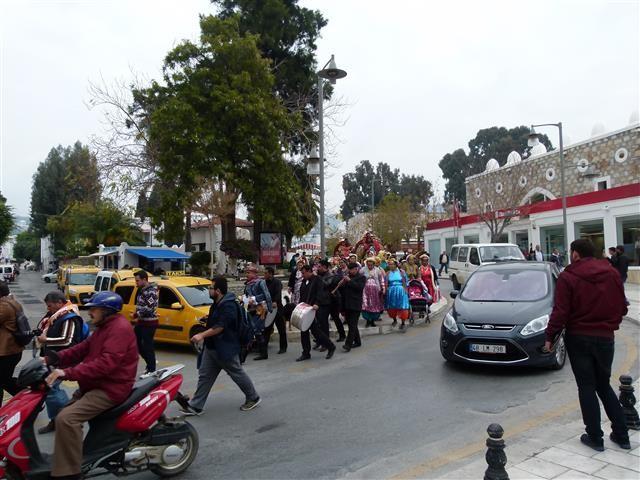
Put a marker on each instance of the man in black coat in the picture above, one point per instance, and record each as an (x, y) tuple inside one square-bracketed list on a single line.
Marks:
[(311, 293), (274, 285), (351, 289)]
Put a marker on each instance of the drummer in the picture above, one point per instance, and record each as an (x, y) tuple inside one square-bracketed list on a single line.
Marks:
[(311, 294)]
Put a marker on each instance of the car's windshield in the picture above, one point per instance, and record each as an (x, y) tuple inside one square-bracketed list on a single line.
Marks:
[(500, 252), (196, 295), (82, 278), (506, 286)]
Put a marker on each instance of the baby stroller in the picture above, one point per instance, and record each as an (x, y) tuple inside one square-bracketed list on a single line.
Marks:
[(419, 300)]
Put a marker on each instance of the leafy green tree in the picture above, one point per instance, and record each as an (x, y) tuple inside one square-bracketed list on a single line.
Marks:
[(287, 35), (394, 220), (494, 142), (216, 116), (7, 221), (67, 175), (84, 226), (358, 187), (27, 247)]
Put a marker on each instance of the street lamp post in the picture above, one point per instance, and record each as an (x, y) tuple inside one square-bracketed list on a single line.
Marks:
[(533, 134), (332, 73)]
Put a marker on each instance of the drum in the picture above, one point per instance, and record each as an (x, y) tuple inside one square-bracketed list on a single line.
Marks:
[(268, 320), (303, 316)]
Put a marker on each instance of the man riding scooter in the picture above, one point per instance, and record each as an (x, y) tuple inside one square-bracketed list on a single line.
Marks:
[(105, 366)]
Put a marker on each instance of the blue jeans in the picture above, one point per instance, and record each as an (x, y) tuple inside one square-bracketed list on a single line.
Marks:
[(56, 400)]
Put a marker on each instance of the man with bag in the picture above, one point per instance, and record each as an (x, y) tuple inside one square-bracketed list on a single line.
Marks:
[(62, 327), (221, 350), (10, 349)]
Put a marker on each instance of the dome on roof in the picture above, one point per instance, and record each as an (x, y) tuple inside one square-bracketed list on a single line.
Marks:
[(598, 129), (513, 158), (492, 164), (633, 118)]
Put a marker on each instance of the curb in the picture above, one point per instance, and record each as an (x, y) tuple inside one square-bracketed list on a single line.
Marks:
[(384, 329)]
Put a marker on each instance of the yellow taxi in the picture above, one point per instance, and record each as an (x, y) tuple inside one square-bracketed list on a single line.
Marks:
[(182, 303), (78, 283)]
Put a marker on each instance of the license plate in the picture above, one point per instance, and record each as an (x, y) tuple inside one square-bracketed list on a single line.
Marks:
[(481, 348)]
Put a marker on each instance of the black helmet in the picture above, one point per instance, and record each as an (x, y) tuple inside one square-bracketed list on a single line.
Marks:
[(32, 373)]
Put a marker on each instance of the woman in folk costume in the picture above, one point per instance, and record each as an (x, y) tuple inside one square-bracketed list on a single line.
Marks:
[(374, 291), (295, 281), (427, 274), (411, 268), (397, 301)]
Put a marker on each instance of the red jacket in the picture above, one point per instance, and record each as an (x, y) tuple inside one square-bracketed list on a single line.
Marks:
[(107, 360), (589, 300)]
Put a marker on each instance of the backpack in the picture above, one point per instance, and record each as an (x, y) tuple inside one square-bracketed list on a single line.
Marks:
[(245, 329), (23, 334)]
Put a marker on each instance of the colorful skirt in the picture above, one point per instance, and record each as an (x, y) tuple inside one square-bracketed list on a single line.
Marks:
[(372, 297)]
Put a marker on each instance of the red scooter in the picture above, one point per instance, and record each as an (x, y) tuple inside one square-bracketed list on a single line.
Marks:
[(129, 438)]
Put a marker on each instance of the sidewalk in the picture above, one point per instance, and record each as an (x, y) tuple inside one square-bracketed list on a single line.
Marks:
[(555, 452)]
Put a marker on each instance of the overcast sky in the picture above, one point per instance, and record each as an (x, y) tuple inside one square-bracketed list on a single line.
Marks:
[(423, 77)]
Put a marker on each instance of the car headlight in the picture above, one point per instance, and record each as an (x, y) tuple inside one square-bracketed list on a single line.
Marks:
[(536, 325), (450, 323)]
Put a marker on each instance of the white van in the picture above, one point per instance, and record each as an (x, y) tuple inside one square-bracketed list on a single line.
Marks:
[(107, 279), (465, 258), (7, 272)]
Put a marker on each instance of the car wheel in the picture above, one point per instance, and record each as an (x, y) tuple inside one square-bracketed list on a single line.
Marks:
[(560, 354), (454, 283), (47, 280)]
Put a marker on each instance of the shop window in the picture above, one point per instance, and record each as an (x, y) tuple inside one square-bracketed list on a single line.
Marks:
[(602, 183), (472, 239), (628, 235), (594, 231)]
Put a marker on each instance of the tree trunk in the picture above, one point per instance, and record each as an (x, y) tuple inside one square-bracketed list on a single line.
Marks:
[(187, 231), (228, 225), (211, 245)]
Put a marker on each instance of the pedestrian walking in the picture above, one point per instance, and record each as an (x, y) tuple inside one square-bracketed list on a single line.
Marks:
[(295, 280), (444, 263), (146, 318), (555, 258), (221, 350), (10, 350), (313, 292), (397, 300), (259, 302), (538, 256), (622, 265), (427, 274), (589, 305), (274, 285), (62, 327), (374, 291), (352, 289)]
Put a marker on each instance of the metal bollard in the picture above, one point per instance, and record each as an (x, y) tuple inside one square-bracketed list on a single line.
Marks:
[(495, 456), (628, 400)]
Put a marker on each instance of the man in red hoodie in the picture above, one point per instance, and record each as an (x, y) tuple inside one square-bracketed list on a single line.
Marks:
[(104, 365), (589, 305)]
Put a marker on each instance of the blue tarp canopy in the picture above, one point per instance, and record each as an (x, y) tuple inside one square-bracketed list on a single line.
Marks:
[(158, 254)]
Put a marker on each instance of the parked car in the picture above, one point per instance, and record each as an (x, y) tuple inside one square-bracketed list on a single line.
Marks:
[(500, 317), (182, 303), (8, 272), (466, 258), (50, 277), (78, 283)]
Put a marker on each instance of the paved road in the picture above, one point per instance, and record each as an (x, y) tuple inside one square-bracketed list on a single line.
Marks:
[(392, 407)]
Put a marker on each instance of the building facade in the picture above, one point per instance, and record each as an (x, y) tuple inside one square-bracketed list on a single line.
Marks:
[(602, 185)]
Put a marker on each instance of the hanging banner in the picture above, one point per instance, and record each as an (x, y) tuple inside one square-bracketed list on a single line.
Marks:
[(270, 248)]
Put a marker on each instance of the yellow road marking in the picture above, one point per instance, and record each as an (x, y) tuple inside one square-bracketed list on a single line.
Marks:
[(420, 470)]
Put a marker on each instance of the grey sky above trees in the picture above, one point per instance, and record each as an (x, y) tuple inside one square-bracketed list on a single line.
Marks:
[(423, 78)]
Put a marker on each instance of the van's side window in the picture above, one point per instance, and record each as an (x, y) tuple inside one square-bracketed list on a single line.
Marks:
[(105, 284), (96, 286), (454, 254), (125, 293), (473, 257), (166, 298), (462, 256)]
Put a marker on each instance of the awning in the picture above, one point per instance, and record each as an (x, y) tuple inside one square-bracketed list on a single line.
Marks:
[(158, 253), (104, 254)]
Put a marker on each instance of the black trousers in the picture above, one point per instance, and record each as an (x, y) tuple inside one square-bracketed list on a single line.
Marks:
[(7, 381), (335, 316), (322, 339), (144, 336), (591, 359), (353, 337), (279, 323), (322, 318)]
